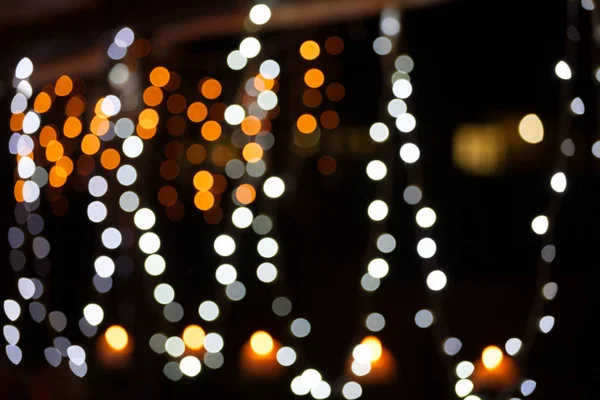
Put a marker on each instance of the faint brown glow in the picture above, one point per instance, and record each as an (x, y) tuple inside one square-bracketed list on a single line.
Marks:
[(167, 196), (213, 216), (326, 165), (479, 149), (221, 156), (330, 119), (334, 45), (336, 91), (176, 103), (176, 125), (169, 170), (196, 154), (258, 357), (312, 98), (141, 48)]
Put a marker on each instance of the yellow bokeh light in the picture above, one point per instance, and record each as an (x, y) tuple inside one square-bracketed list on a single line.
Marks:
[(160, 76), (531, 129), (492, 357), (261, 343), (314, 78), (203, 180), (252, 152), (374, 344), (116, 337), (148, 118), (193, 337), (306, 124), (310, 50)]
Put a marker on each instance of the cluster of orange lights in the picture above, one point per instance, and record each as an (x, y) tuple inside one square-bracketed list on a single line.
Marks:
[(314, 79)]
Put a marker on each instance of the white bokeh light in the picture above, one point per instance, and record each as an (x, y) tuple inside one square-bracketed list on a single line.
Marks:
[(379, 132), (224, 245), (378, 268), (377, 210), (425, 217), (540, 224), (376, 170), (558, 182), (250, 47), (426, 248), (274, 187), (562, 70), (409, 153), (260, 14), (436, 280)]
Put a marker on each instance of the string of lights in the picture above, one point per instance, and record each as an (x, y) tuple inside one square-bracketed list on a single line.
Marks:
[(543, 225)]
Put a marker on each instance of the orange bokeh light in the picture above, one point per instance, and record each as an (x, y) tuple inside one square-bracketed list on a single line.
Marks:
[(193, 337), (211, 130), (42, 103), (203, 180), (159, 76), (116, 337), (152, 96), (252, 152), (306, 124), (64, 86), (110, 159), (251, 125), (211, 89), (310, 50), (204, 200), (197, 112), (245, 193)]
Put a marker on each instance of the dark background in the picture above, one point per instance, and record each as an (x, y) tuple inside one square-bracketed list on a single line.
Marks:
[(476, 62)]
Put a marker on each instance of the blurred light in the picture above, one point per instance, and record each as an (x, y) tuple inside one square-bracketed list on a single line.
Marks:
[(491, 357), (224, 245), (104, 266), (274, 187), (531, 129), (402, 89), (406, 122), (540, 224), (321, 391), (425, 217), (116, 337), (374, 345), (464, 369), (375, 322), (236, 60), (378, 268), (208, 311), (164, 293), (360, 369), (12, 309), (513, 346), (596, 149), (286, 356), (175, 347), (562, 70), (214, 360), (270, 69), (298, 388), (423, 319), (527, 387), (300, 327), (266, 272), (404, 63), (226, 274), (567, 147), (235, 291), (546, 323), (412, 195), (213, 343), (172, 371), (426, 248), (452, 346), (352, 390), (250, 47), (377, 210), (463, 387), (558, 182), (382, 45), (93, 314), (386, 243), (155, 265), (234, 114), (409, 153), (390, 26), (379, 132), (396, 108), (310, 50), (261, 343), (24, 69), (281, 306), (190, 366), (193, 337), (550, 290), (376, 170), (369, 283), (577, 106), (436, 280)]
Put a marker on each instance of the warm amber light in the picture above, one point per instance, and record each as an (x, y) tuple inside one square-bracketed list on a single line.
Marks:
[(75, 107), (72, 127), (90, 144), (261, 83), (66, 165), (306, 124), (193, 337), (204, 200), (110, 159), (310, 50), (16, 122), (314, 78), (99, 125), (261, 343), (211, 130), (54, 151), (18, 192), (374, 344), (159, 76), (211, 89), (252, 152), (203, 180), (116, 337), (42, 102), (64, 86), (47, 135), (251, 125), (148, 118), (197, 112), (531, 129), (152, 96), (492, 357), (245, 193)]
